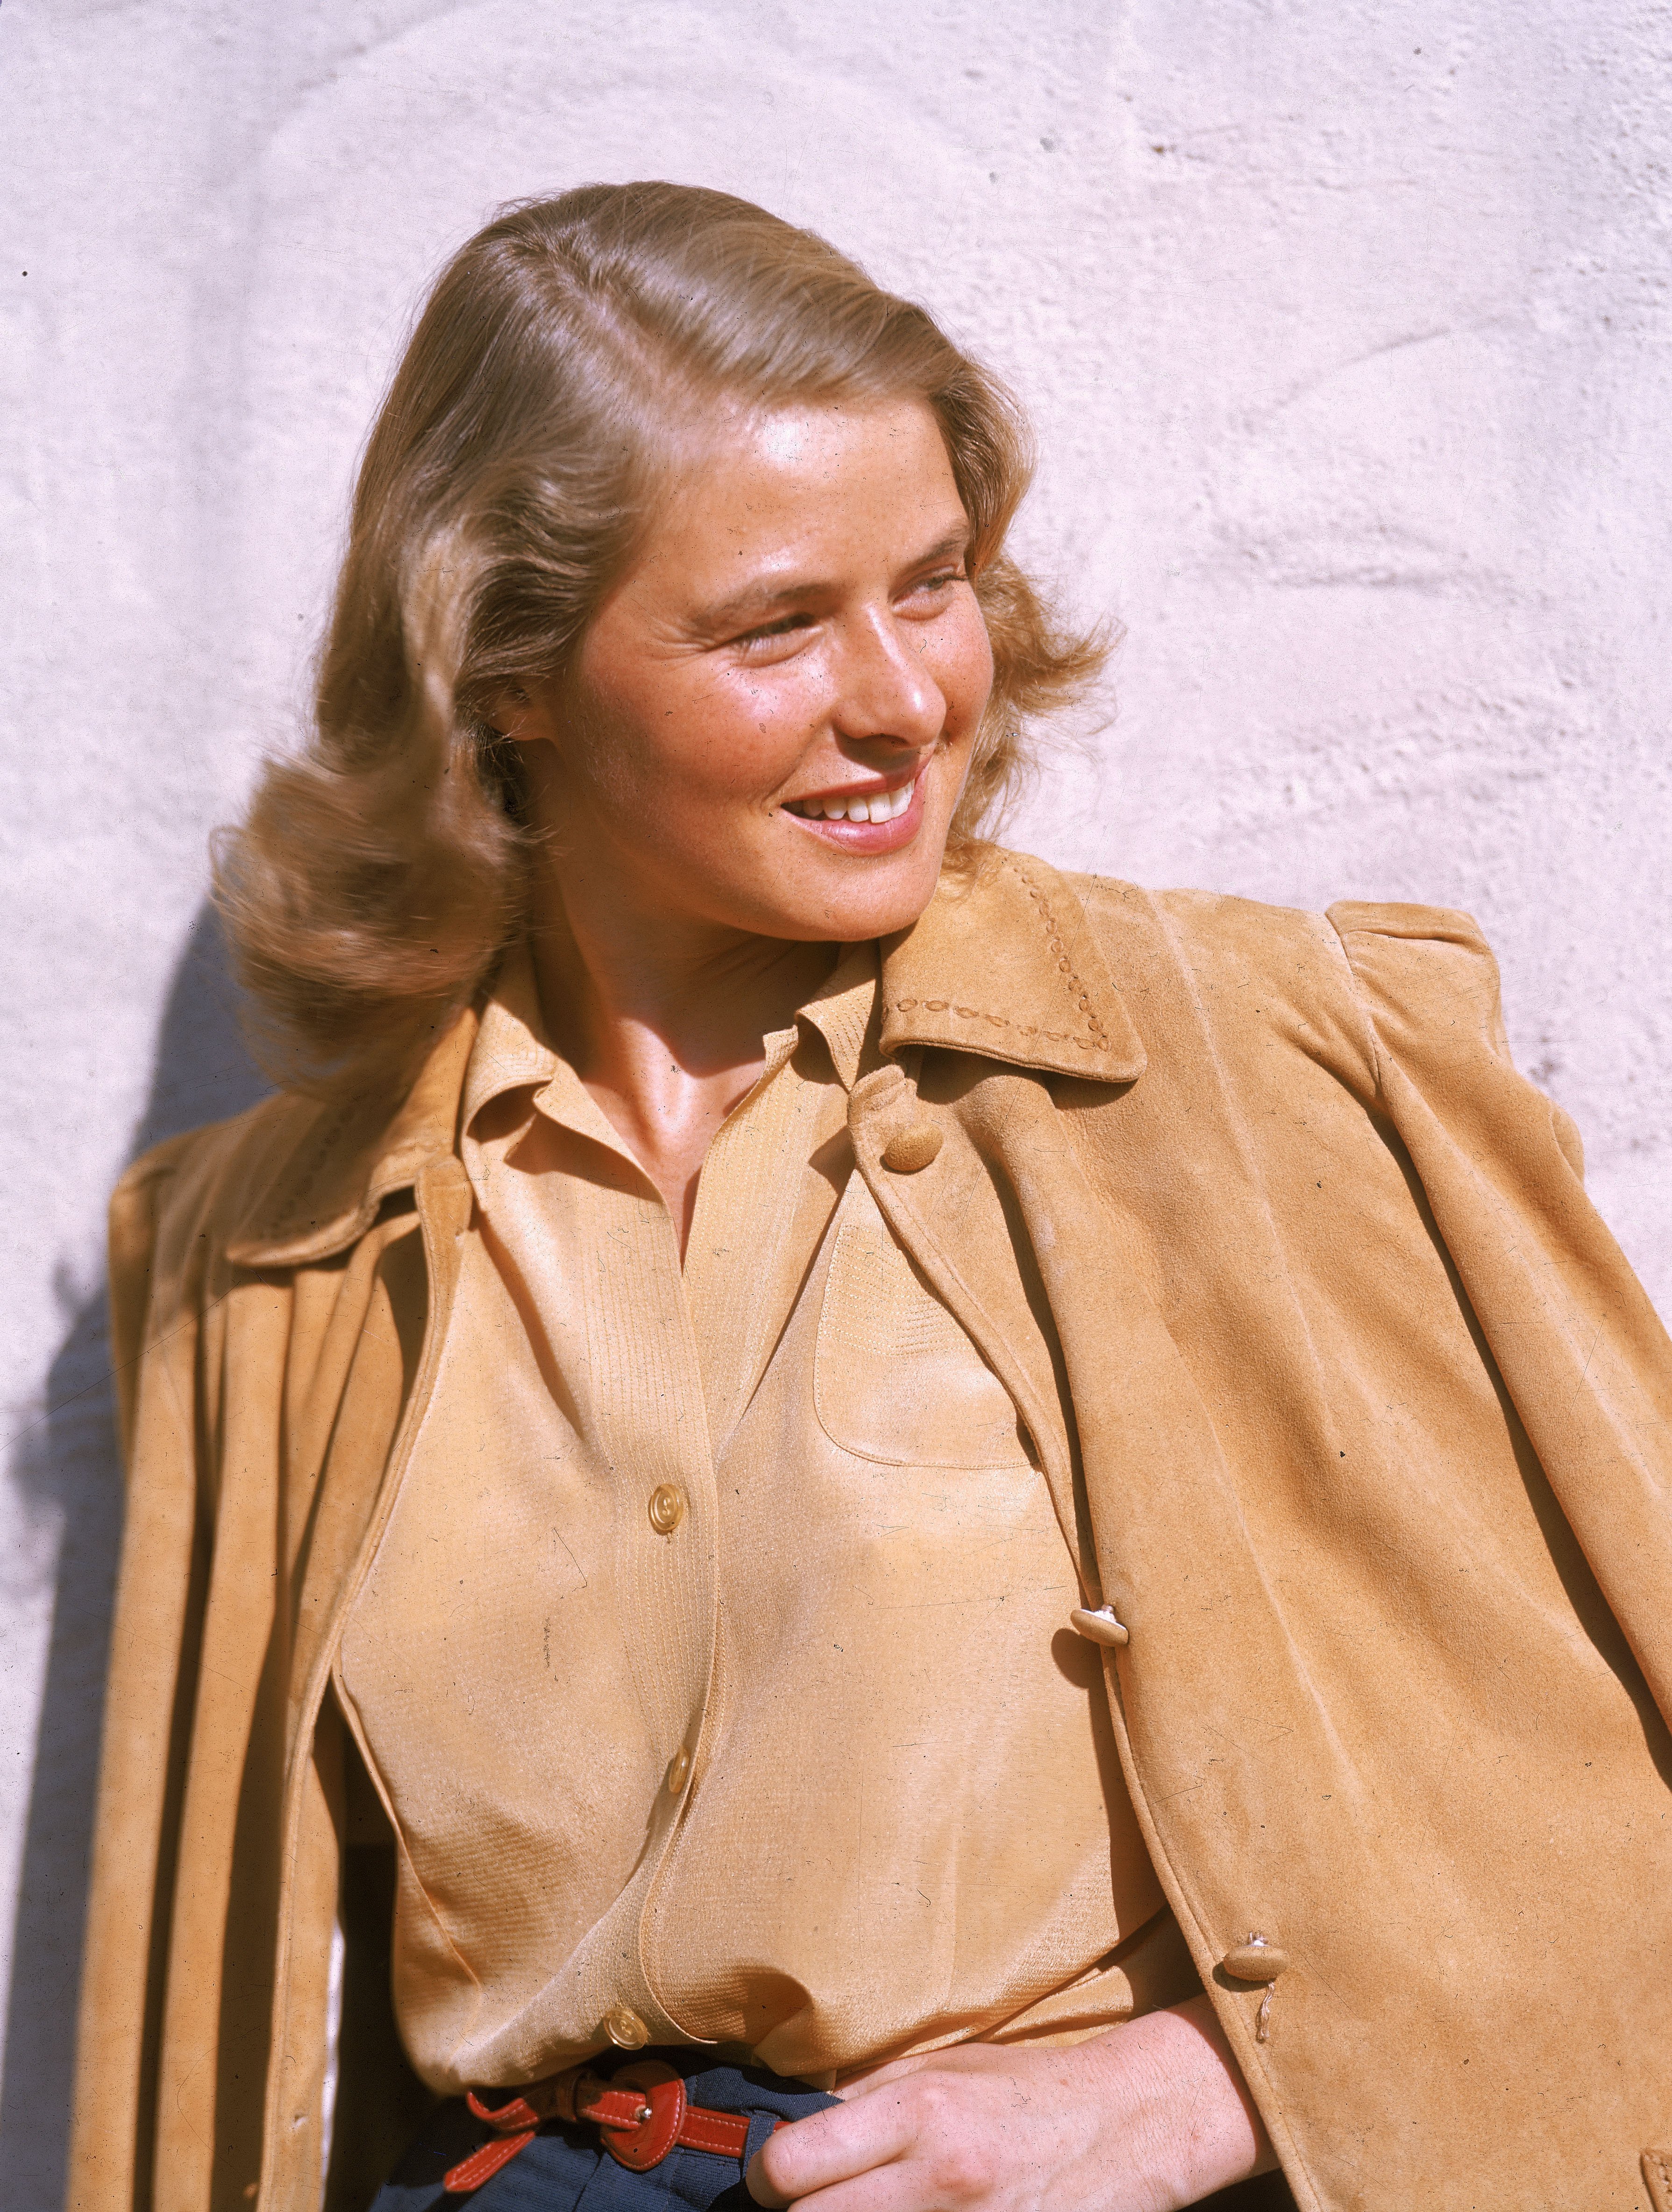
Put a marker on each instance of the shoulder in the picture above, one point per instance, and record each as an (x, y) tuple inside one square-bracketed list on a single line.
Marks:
[(1204, 930), (193, 1194), (171, 1216), (1424, 969), (295, 1180), (1232, 964), (1345, 986), (222, 1162), (1215, 929), (1397, 1006)]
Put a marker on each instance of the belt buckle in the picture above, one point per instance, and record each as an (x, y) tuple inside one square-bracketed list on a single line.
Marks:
[(640, 2144)]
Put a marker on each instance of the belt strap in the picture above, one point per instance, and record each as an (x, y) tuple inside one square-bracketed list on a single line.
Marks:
[(643, 2114)]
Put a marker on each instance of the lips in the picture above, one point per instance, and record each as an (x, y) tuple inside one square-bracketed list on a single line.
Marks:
[(868, 822), (868, 804)]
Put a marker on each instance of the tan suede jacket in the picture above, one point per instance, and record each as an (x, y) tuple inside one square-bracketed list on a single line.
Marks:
[(1369, 1452)]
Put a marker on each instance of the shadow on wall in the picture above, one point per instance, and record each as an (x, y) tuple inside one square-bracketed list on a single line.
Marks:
[(66, 1467)]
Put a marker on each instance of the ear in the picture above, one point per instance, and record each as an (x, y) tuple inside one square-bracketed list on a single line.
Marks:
[(523, 716)]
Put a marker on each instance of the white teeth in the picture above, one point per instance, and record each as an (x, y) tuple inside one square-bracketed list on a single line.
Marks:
[(880, 806)]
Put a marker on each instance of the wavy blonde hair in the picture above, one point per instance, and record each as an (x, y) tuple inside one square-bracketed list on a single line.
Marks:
[(505, 486)]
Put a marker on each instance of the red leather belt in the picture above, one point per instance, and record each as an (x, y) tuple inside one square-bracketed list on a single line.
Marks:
[(643, 2114)]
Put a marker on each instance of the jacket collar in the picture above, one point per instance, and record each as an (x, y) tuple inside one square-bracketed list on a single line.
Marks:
[(1001, 962)]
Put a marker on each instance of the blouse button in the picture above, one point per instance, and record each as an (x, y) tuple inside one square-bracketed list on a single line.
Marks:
[(678, 1769), (912, 1149), (625, 2028), (666, 1507)]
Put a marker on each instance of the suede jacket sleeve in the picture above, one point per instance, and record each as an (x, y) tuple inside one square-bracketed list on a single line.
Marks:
[(1581, 1349)]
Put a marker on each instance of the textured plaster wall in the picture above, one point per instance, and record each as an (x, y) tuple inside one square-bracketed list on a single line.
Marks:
[(1345, 330)]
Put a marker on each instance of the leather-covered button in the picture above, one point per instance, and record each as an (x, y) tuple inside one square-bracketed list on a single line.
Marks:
[(1099, 1627), (679, 1771), (912, 1149), (666, 1507), (625, 2029), (1256, 1960)]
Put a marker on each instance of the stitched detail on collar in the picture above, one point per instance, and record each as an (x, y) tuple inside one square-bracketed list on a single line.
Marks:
[(1002, 1022), (317, 1157), (1657, 2178), (1065, 965), (1021, 979), (1099, 1040)]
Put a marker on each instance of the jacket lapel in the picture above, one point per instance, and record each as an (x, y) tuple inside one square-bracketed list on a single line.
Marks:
[(1003, 982)]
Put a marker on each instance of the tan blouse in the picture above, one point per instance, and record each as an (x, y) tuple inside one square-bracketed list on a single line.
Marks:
[(702, 1553)]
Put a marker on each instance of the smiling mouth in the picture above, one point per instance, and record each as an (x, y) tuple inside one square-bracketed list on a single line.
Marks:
[(855, 806)]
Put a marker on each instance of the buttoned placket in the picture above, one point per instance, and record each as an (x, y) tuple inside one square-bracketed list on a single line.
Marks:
[(669, 1503), (723, 1381)]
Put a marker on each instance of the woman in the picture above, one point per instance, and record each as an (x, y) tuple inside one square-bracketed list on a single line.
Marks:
[(810, 1474)]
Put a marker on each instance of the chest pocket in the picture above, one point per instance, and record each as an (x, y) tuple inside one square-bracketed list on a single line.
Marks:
[(896, 1379)]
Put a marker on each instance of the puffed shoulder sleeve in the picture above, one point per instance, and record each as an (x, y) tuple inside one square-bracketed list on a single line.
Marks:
[(1580, 1348)]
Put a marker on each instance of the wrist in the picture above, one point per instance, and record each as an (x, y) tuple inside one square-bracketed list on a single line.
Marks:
[(1191, 2127)]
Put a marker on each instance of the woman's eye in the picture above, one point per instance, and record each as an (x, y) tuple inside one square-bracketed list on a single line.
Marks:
[(768, 633), (937, 584), (787, 626)]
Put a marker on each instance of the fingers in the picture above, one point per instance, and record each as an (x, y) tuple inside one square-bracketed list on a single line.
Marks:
[(827, 2148), (927, 2139), (1150, 2113)]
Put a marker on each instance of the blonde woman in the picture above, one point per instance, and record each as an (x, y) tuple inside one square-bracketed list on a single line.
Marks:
[(820, 1513)]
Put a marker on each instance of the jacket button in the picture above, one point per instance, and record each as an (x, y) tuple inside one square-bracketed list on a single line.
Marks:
[(912, 1149), (678, 1769), (1256, 1960), (625, 2028), (666, 1507), (1101, 1627)]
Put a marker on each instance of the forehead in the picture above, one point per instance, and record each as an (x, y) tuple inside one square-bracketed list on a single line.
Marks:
[(749, 481)]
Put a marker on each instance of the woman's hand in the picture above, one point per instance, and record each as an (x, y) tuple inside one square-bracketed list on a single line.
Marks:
[(1148, 2118)]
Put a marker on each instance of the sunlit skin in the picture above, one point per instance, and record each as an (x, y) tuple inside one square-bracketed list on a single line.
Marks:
[(801, 625)]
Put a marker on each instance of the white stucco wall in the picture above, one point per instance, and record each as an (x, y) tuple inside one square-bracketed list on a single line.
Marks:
[(1346, 329)]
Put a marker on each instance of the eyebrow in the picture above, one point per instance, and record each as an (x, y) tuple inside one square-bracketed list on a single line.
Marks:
[(761, 602)]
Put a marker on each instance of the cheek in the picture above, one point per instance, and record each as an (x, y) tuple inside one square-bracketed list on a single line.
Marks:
[(965, 672), (742, 730), (663, 739), (716, 738)]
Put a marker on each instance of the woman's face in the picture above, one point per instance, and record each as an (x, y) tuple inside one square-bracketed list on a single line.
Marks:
[(769, 720)]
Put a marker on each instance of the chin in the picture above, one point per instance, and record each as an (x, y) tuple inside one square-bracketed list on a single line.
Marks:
[(862, 902)]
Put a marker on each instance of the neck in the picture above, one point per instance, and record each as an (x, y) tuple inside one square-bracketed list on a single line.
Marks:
[(663, 1017)]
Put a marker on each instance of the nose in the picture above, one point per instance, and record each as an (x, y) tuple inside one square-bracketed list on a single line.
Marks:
[(885, 693)]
